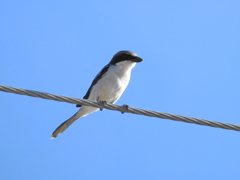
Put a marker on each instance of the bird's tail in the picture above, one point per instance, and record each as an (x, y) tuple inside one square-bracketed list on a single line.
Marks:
[(62, 127)]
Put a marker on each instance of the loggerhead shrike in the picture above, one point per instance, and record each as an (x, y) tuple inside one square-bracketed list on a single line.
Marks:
[(108, 86)]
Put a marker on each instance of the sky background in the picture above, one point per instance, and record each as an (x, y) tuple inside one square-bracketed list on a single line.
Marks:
[(191, 67)]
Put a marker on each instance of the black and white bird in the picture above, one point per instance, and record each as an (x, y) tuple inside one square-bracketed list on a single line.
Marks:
[(108, 86)]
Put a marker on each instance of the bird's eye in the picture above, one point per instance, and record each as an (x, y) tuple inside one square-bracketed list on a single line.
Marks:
[(125, 56)]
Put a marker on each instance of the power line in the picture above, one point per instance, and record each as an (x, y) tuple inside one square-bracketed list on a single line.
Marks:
[(119, 108)]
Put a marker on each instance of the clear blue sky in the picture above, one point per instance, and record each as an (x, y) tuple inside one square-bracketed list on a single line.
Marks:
[(191, 67)]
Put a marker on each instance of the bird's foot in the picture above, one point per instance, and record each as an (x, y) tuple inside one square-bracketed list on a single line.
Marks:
[(78, 105), (103, 103), (125, 106)]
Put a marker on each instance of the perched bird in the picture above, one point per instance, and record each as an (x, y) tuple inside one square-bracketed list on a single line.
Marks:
[(108, 86)]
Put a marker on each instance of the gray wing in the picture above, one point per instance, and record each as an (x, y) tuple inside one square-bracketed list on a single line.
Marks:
[(96, 79)]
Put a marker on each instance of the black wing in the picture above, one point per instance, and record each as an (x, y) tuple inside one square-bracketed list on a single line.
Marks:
[(96, 79)]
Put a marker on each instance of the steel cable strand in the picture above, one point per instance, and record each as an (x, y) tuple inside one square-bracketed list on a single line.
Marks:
[(119, 108)]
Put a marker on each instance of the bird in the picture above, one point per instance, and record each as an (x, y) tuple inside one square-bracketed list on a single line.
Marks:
[(107, 87)]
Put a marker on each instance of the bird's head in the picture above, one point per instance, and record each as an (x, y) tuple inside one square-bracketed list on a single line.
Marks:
[(125, 56)]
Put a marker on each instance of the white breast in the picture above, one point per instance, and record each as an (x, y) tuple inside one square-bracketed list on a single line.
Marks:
[(113, 84)]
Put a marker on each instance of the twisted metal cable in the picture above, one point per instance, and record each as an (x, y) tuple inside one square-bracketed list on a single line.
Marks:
[(119, 108)]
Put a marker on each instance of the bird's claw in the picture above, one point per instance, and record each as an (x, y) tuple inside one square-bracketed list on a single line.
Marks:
[(125, 106), (102, 103)]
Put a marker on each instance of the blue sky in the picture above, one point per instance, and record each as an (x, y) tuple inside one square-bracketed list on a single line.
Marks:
[(191, 68)]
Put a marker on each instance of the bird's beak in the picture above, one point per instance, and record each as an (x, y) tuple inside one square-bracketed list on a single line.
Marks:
[(137, 59)]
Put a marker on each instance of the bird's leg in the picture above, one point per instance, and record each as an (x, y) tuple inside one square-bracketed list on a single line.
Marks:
[(125, 106), (102, 103)]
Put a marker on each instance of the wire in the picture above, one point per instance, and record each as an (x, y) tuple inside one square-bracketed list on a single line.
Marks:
[(119, 108)]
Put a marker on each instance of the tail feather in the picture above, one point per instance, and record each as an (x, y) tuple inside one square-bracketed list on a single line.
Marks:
[(62, 127), (85, 110)]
